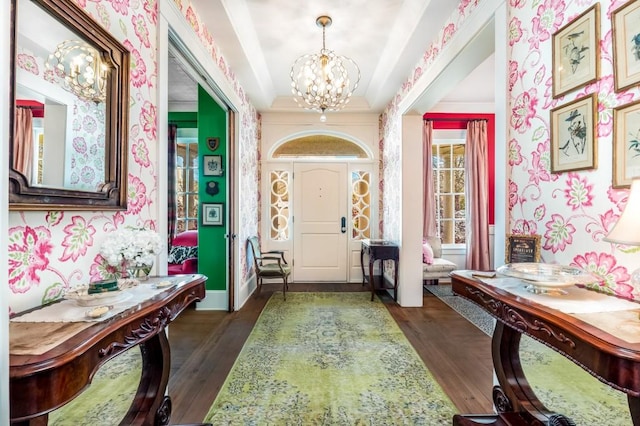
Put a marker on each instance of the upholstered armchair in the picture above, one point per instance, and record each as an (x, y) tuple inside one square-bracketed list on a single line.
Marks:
[(183, 254), (434, 266)]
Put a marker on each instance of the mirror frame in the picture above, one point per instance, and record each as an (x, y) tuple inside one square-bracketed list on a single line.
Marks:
[(112, 195)]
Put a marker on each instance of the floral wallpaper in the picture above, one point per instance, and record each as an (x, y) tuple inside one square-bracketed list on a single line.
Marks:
[(572, 211), (52, 251)]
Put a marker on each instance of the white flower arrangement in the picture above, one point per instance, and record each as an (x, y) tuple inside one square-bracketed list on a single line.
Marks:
[(133, 246)]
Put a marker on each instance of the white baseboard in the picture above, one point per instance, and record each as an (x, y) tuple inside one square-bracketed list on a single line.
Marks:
[(215, 300)]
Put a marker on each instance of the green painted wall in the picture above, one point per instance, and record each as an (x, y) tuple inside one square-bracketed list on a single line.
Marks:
[(184, 120), (212, 245)]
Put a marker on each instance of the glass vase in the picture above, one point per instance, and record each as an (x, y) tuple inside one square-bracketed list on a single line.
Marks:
[(139, 271)]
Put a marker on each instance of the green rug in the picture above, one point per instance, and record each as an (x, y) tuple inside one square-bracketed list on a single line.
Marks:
[(329, 359), (109, 396), (559, 383)]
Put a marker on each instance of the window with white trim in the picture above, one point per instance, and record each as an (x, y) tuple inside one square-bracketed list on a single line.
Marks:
[(448, 157), (186, 179)]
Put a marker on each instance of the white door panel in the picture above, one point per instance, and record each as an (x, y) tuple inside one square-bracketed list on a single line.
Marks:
[(320, 203)]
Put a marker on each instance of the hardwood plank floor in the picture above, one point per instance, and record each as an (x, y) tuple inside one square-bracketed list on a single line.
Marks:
[(205, 344)]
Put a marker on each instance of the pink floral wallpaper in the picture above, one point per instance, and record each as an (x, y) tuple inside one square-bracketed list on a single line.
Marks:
[(52, 251), (572, 211)]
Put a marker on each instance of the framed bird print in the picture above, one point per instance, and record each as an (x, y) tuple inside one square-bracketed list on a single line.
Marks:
[(573, 135), (576, 52), (626, 45), (626, 144)]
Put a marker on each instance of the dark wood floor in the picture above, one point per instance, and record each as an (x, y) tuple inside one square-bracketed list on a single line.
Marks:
[(205, 344)]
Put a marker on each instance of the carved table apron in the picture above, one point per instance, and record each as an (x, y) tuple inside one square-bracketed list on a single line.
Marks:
[(43, 382), (610, 358)]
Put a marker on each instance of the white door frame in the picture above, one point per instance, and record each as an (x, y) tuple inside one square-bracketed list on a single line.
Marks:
[(354, 272)]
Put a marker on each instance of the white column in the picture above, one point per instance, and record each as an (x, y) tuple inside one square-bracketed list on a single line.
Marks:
[(410, 277)]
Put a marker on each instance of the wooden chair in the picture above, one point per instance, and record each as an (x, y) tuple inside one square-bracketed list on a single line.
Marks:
[(270, 265)]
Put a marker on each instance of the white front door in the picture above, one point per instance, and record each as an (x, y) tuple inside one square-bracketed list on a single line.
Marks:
[(320, 222)]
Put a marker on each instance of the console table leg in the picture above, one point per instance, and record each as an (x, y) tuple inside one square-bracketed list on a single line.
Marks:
[(517, 393), (151, 406), (634, 408), (371, 280)]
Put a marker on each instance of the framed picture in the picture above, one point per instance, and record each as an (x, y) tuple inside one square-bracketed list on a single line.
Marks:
[(213, 214), (573, 135), (576, 52), (626, 144), (626, 45), (522, 248), (213, 143), (212, 165)]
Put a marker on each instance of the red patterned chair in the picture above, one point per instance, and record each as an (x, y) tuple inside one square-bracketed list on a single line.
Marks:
[(183, 254)]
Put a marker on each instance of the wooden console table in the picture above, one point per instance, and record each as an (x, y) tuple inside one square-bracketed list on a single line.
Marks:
[(42, 382), (380, 250), (606, 344)]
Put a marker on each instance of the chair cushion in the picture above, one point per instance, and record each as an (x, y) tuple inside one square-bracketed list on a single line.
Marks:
[(186, 238), (273, 270), (440, 268), (436, 246), (427, 253), (178, 254)]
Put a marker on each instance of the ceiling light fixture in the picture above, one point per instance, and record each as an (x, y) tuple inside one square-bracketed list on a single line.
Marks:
[(80, 65), (325, 81)]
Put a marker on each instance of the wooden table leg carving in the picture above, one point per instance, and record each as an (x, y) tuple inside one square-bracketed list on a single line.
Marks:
[(151, 406)]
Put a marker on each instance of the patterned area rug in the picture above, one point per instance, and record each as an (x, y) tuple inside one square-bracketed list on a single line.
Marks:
[(109, 396), (329, 359), (560, 384)]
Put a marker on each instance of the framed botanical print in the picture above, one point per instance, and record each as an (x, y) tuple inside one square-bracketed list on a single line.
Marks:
[(626, 45), (626, 144), (576, 52), (213, 214), (573, 135)]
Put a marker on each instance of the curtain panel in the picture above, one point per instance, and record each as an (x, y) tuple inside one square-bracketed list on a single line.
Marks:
[(477, 183), (429, 227), (171, 183), (23, 142)]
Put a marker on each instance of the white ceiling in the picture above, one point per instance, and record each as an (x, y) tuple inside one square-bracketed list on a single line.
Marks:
[(260, 39)]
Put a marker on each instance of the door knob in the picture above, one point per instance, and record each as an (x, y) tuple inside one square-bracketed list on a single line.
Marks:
[(343, 224)]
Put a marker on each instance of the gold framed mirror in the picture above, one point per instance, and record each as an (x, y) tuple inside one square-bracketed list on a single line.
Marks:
[(69, 96)]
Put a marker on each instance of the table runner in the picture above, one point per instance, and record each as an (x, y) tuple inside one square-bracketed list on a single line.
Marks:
[(41, 330), (613, 315)]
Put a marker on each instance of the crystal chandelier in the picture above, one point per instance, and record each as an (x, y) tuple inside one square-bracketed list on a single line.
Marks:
[(324, 81), (82, 69)]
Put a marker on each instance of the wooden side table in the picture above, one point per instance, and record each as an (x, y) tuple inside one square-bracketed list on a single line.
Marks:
[(380, 250)]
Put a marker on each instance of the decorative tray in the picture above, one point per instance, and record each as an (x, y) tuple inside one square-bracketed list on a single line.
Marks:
[(81, 297), (545, 277)]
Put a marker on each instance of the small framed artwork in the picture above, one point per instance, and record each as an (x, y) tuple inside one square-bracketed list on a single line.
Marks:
[(626, 45), (212, 165), (626, 144), (522, 248), (576, 52), (573, 135), (213, 143), (212, 214)]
